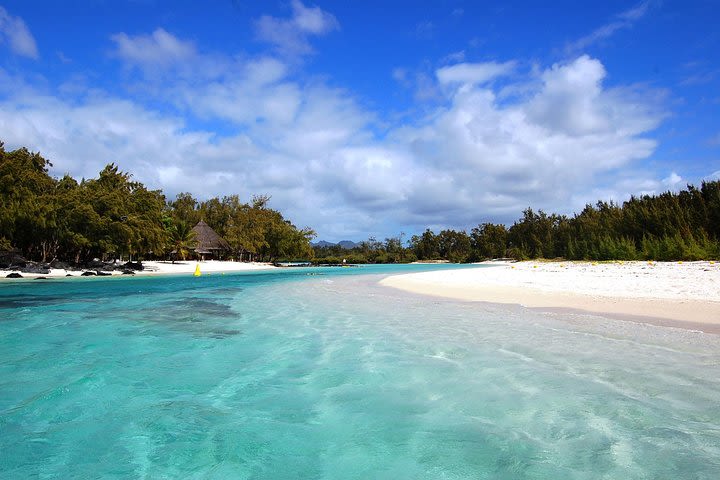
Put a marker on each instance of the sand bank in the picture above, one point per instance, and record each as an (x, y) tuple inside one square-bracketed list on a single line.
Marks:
[(161, 268), (684, 293)]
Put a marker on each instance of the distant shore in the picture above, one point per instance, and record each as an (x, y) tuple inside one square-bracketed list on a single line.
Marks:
[(683, 294), (156, 268)]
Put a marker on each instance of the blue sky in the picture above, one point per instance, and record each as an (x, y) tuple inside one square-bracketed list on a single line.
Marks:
[(371, 118)]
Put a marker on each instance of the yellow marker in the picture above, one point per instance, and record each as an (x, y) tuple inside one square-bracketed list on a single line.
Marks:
[(197, 270)]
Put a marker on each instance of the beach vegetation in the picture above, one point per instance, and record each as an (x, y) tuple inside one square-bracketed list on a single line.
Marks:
[(671, 226), (113, 216), (182, 239)]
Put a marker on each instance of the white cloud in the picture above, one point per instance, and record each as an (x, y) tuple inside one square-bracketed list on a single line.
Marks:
[(673, 181), (157, 49), (290, 36), (623, 20), (14, 32), (313, 148), (455, 57), (547, 150), (313, 20), (473, 73)]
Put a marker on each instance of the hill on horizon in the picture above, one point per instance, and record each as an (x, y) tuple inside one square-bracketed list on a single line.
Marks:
[(346, 244)]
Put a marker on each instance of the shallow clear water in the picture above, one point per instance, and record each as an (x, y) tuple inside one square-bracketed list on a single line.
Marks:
[(290, 375)]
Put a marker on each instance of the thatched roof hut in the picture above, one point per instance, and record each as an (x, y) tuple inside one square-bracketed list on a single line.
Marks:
[(208, 241)]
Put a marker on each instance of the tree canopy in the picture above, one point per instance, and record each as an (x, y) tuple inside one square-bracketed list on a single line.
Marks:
[(670, 226), (114, 216)]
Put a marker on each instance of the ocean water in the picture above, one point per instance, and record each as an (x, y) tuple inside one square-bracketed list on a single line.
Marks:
[(323, 374)]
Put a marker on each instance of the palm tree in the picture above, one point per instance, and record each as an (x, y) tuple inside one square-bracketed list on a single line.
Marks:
[(182, 239)]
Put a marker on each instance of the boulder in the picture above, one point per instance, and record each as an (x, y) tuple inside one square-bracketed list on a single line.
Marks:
[(36, 268), (133, 266), (59, 265), (88, 274), (95, 264), (13, 275), (9, 259), (100, 273), (128, 272)]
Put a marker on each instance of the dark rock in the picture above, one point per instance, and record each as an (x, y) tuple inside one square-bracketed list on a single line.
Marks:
[(95, 264), (31, 267), (10, 259), (133, 266), (88, 274), (103, 274), (13, 275), (128, 272), (69, 275), (42, 278), (60, 265)]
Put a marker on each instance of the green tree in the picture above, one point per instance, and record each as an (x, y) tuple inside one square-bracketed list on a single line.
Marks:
[(488, 241), (182, 239)]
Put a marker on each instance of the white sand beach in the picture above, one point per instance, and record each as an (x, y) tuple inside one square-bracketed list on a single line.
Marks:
[(685, 294), (161, 268)]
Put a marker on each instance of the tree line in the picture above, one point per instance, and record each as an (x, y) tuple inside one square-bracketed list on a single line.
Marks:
[(114, 216), (670, 226)]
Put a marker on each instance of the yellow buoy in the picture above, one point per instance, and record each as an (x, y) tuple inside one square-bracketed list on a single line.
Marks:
[(197, 270)]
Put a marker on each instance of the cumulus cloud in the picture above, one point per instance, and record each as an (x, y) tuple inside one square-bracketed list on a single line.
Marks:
[(545, 150), (673, 181), (290, 35), (316, 150), (16, 34)]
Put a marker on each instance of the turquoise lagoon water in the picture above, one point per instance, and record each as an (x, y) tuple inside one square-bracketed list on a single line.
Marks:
[(289, 375)]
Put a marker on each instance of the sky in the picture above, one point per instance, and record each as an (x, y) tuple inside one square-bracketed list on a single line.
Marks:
[(371, 118)]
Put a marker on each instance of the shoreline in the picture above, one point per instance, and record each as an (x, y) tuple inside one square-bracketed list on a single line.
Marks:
[(151, 268), (682, 294)]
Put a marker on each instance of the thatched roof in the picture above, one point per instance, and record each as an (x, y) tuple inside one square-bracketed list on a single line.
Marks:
[(208, 241)]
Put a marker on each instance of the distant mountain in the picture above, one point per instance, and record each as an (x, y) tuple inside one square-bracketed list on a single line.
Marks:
[(322, 243), (346, 244)]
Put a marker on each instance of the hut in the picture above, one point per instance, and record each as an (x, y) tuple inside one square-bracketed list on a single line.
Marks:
[(208, 242)]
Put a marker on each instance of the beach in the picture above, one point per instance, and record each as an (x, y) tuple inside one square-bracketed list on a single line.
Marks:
[(158, 268), (684, 294)]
